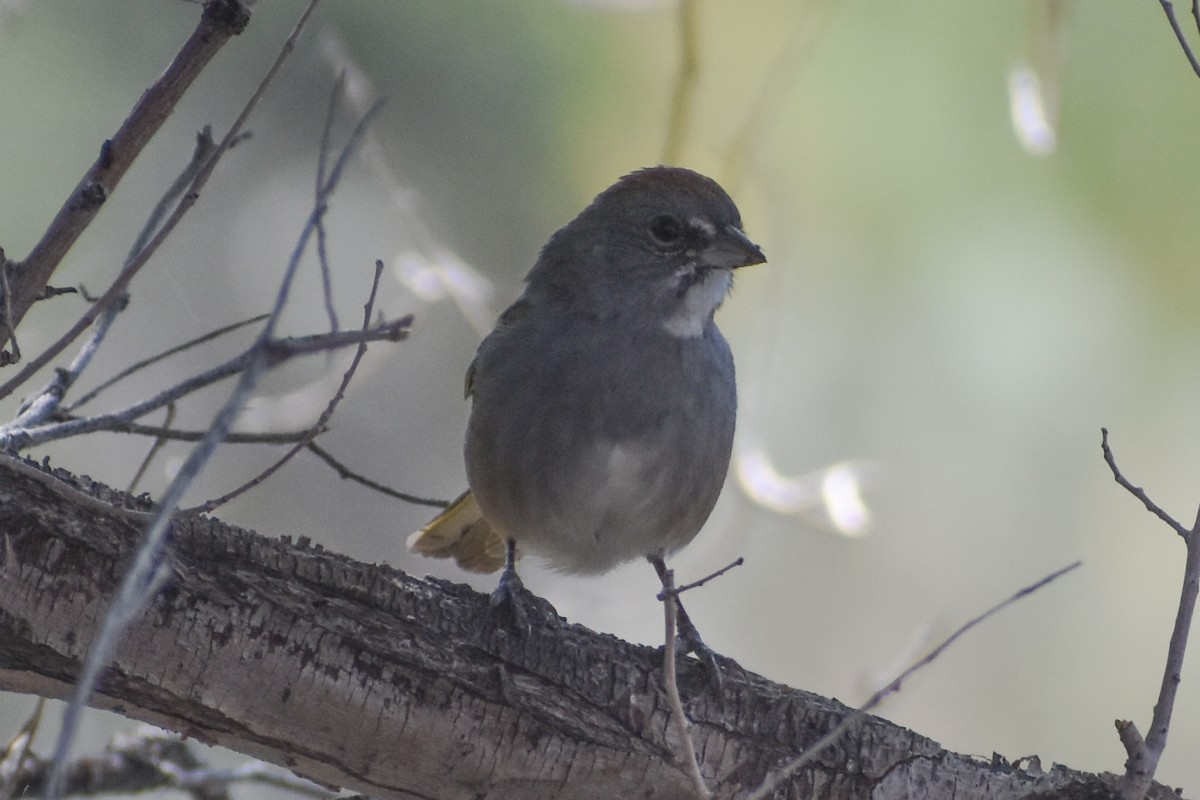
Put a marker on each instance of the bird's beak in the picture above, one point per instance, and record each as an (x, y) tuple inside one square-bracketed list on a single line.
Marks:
[(732, 249)]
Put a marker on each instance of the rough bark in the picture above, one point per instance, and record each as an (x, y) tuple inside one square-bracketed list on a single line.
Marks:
[(363, 677)]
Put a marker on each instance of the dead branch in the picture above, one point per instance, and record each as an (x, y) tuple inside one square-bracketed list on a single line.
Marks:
[(1144, 754), (221, 20)]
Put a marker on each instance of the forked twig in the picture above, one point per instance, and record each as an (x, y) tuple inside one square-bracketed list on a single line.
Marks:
[(696, 584), (17, 437), (221, 20), (1144, 754), (45, 404), (165, 354), (317, 427), (118, 287), (1137, 491)]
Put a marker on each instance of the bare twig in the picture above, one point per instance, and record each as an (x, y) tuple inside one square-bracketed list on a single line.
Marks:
[(1137, 491), (687, 587), (275, 352), (221, 20), (346, 473), (1144, 754), (233, 437), (149, 571), (42, 406), (686, 753), (685, 83), (155, 446), (46, 403), (130, 370), (185, 204), (808, 756), (1169, 9), (205, 146), (323, 421)]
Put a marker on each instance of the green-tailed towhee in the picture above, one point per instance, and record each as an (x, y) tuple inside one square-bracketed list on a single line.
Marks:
[(603, 403)]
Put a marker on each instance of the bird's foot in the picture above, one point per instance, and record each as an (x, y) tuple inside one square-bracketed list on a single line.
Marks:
[(687, 640), (508, 599)]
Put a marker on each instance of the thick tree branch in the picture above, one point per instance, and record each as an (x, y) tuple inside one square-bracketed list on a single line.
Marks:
[(361, 676)]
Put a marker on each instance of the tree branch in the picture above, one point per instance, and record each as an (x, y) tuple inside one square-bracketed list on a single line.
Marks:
[(221, 20), (1144, 754), (361, 676)]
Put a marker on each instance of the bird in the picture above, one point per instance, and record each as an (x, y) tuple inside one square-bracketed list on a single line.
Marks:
[(603, 403)]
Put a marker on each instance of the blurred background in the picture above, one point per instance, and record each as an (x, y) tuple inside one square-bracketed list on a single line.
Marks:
[(981, 225)]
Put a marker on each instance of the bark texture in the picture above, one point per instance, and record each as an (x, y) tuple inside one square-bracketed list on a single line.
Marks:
[(363, 677)]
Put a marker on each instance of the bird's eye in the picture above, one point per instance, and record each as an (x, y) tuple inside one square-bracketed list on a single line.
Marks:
[(666, 229)]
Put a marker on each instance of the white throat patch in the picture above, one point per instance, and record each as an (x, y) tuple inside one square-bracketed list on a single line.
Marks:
[(698, 304)]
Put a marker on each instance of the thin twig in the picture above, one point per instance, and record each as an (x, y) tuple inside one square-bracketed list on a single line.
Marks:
[(149, 571), (1144, 754), (157, 445), (686, 752), (53, 394), (165, 354), (277, 351), (233, 437), (346, 473), (1137, 491), (813, 751), (687, 587), (205, 146), (44, 405), (1169, 9), (322, 422), (685, 83)]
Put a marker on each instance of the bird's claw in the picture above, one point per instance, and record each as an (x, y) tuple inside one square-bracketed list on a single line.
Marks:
[(509, 594)]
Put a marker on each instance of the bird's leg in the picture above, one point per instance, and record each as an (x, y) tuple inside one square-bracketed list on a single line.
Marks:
[(687, 638), (509, 590)]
